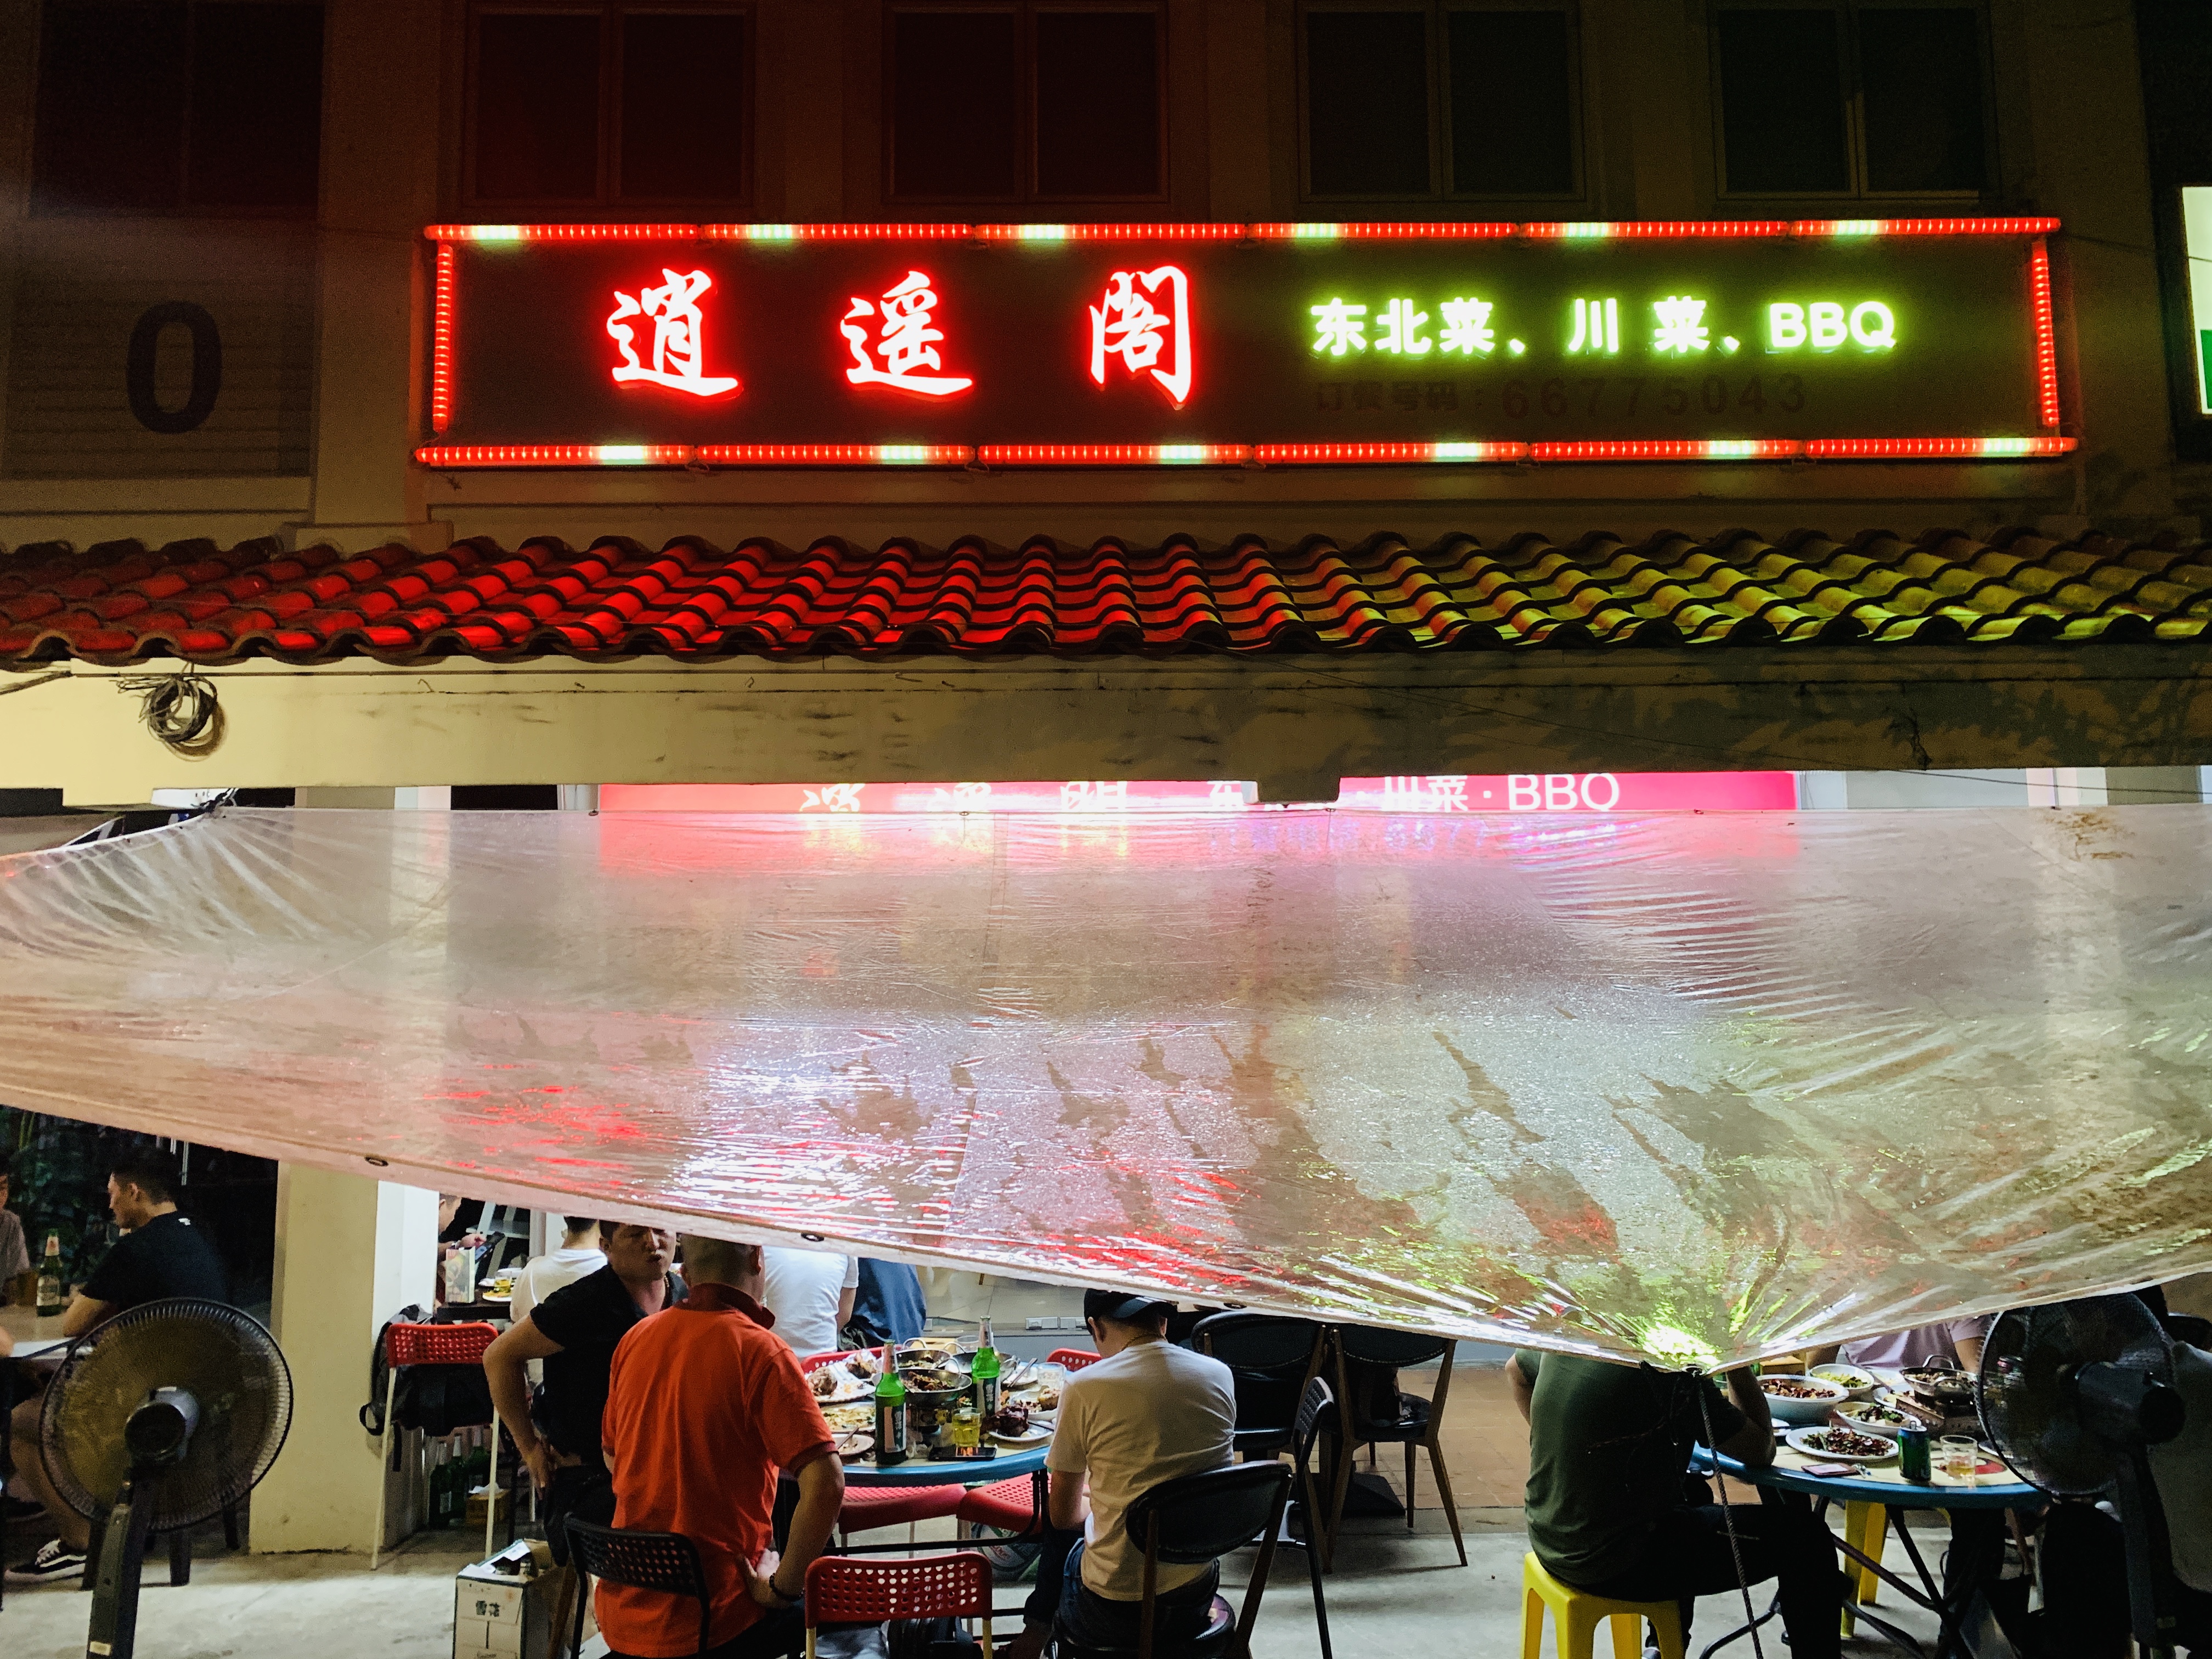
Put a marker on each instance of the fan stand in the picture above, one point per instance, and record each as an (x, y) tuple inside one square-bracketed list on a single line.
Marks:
[(114, 1563)]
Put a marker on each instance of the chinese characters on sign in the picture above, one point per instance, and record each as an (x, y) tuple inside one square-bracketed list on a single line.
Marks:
[(907, 341), (1680, 327), (678, 347), (1128, 324)]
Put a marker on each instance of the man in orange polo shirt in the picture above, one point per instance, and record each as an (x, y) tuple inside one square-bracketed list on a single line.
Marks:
[(704, 1407)]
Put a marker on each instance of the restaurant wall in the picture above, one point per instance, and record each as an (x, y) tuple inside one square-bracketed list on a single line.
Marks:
[(318, 449)]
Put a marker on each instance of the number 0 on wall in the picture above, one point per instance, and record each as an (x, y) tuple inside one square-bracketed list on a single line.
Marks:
[(207, 366)]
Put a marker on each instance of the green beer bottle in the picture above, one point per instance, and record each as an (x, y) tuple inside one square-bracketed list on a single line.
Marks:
[(891, 1412), (985, 1372)]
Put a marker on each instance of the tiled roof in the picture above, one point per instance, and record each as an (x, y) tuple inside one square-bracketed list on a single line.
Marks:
[(120, 601)]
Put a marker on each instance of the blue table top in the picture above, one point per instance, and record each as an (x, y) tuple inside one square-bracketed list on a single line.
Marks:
[(921, 1472), (2010, 1495)]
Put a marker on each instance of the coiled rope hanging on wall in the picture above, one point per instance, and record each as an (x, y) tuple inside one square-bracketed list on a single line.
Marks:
[(180, 710)]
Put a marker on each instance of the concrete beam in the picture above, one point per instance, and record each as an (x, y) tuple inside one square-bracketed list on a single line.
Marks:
[(1294, 724)]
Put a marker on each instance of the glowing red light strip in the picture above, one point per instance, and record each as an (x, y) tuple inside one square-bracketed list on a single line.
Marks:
[(835, 455), (1923, 227), (1668, 449), (554, 454), (561, 233), (1656, 229), (1363, 454), (922, 231), (2046, 343), (1437, 231), (1208, 231), (1112, 454), (441, 343), (1935, 448)]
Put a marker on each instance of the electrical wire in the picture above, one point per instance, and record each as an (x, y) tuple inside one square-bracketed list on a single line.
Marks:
[(1728, 1515), (180, 710)]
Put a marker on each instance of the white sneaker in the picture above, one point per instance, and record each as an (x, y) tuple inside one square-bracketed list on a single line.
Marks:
[(55, 1563)]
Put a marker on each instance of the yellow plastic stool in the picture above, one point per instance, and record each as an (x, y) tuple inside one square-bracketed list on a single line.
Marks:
[(1866, 1529), (1577, 1615)]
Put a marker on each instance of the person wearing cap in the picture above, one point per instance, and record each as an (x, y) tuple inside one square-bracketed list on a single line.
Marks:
[(1146, 1411)]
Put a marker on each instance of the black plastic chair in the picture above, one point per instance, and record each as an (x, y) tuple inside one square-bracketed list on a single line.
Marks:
[(1374, 1412), (1190, 1520), (1316, 1417), (664, 1561), (1271, 1360)]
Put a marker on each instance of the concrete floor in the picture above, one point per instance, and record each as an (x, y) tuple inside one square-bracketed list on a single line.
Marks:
[(1390, 1595)]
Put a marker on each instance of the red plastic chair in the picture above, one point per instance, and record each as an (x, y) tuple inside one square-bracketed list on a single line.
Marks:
[(841, 1591), (1071, 1360), (866, 1508), (1015, 1505), (462, 1343)]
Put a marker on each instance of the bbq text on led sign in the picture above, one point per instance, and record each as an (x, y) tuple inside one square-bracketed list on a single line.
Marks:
[(1347, 344)]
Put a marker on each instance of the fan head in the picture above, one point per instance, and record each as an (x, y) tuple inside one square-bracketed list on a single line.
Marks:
[(2030, 1406), (224, 1360)]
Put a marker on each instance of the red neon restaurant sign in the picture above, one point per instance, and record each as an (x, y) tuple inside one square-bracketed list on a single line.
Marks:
[(946, 344)]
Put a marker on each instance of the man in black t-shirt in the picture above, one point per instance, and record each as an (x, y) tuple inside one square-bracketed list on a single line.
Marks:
[(574, 1332), (161, 1254)]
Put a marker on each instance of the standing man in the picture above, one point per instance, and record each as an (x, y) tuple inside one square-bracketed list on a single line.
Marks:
[(704, 1410), (161, 1254), (1147, 1411), (574, 1332), (14, 1254), (888, 1306), (1608, 1448), (810, 1294)]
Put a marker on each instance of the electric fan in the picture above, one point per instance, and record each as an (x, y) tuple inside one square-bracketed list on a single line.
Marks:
[(2073, 1396), (158, 1419)]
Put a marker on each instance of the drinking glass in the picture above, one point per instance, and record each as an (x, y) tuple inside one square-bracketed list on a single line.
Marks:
[(1958, 1456)]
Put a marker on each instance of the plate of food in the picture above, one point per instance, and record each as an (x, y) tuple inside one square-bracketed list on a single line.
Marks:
[(1016, 1426), (1801, 1399), (853, 1444), (1872, 1417), (833, 1385), (1861, 1384), (843, 1419), (1849, 1445)]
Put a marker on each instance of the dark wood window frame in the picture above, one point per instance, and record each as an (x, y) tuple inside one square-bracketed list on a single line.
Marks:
[(183, 208), (736, 204), (1027, 12), (1440, 114), (1854, 102)]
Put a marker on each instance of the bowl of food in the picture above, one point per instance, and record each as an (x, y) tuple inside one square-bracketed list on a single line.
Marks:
[(1847, 1444), (931, 1386), (1871, 1417), (1861, 1384), (1801, 1399), (1942, 1386)]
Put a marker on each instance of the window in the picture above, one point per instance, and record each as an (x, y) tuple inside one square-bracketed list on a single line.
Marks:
[(1451, 101), (610, 106), (1857, 100), (1025, 102), (178, 109)]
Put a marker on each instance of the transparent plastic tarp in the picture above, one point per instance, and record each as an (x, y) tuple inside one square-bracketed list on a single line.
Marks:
[(1694, 1086)]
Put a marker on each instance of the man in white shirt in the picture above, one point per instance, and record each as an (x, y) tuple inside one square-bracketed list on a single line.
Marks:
[(811, 1293), (1146, 1411), (579, 1256)]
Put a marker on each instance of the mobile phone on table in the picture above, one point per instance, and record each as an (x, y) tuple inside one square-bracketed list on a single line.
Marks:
[(1831, 1471), (962, 1453)]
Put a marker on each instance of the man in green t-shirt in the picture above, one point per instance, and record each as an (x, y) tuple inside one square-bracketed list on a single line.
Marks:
[(1608, 1512)]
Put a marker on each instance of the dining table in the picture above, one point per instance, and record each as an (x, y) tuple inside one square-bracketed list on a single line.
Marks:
[(1876, 1498)]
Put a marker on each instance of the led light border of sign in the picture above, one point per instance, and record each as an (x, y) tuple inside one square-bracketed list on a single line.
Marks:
[(1128, 324)]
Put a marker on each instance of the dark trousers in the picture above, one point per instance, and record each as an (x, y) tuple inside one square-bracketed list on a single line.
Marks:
[(1084, 1616), (776, 1634), (2084, 1564), (583, 1491), (1687, 1556)]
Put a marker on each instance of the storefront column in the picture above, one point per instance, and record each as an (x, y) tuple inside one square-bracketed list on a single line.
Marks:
[(350, 1253)]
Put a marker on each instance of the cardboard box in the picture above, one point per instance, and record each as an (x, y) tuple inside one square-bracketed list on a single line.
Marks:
[(506, 1615)]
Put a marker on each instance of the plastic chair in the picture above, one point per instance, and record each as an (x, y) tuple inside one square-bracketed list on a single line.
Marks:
[(1414, 1423), (1015, 1505), (1193, 1520), (462, 1343), (1071, 1360), (1271, 1360), (665, 1561), (1865, 1528), (1575, 1617), (841, 1591), (1316, 1415)]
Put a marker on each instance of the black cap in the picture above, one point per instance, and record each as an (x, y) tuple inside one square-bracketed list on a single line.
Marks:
[(1122, 1306)]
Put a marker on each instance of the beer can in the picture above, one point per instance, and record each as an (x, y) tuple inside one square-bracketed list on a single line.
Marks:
[(1913, 1456)]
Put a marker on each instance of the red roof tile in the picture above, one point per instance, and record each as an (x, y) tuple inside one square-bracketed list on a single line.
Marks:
[(119, 602)]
